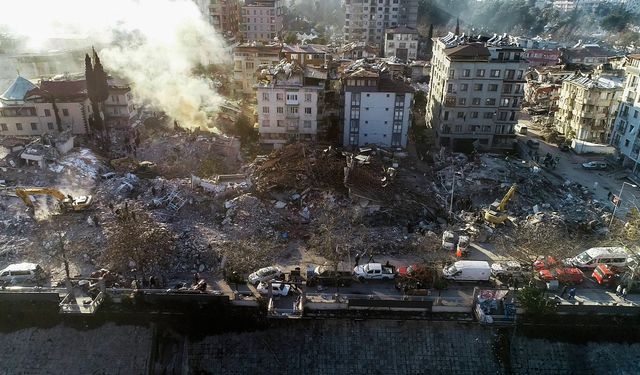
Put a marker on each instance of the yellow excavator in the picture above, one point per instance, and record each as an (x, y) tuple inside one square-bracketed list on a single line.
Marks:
[(496, 213), (67, 202)]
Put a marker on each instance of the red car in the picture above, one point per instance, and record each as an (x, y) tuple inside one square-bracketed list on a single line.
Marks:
[(545, 263), (410, 270), (563, 275)]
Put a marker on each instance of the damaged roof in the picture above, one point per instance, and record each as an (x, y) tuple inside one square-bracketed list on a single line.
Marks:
[(17, 90), (60, 89), (468, 50)]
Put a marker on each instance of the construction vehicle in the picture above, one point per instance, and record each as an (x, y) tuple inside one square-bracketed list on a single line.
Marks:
[(496, 213), (145, 169), (66, 202)]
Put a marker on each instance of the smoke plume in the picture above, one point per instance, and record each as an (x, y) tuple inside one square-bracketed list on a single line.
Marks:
[(153, 44)]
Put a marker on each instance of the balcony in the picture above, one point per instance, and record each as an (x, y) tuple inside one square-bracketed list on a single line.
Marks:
[(292, 115), (292, 129)]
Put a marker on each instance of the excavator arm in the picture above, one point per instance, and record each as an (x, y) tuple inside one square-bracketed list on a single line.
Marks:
[(66, 202), (507, 197)]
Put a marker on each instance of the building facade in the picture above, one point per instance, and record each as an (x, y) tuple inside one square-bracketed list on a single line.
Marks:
[(626, 129), (246, 60), (261, 20), (587, 107), (28, 110), (541, 57), (377, 109), (588, 54), (366, 20), (401, 42), (306, 54), (477, 88), (290, 103)]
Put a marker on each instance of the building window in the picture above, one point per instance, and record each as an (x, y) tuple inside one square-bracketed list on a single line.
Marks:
[(65, 112), (280, 110), (18, 126), (47, 113), (266, 123), (280, 123), (462, 101), (452, 72), (248, 65), (307, 97), (450, 87), (476, 101), (464, 86), (474, 114), (265, 96), (307, 111), (306, 124), (4, 127), (34, 126), (495, 73), (265, 109), (279, 97), (492, 87), (460, 114), (466, 73), (292, 96), (488, 115), (398, 114), (50, 125), (477, 87), (446, 115), (490, 101), (480, 73), (293, 110)]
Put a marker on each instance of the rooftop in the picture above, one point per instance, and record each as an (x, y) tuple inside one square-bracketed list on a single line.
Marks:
[(305, 48), (17, 90), (594, 82), (401, 30)]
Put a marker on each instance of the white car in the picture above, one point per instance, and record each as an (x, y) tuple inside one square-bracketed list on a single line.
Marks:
[(277, 289), (22, 273), (264, 274)]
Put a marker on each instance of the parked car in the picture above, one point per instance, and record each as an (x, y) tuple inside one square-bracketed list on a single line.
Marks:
[(265, 274), (277, 289), (327, 276), (374, 271), (595, 165), (544, 262), (562, 275), (533, 144), (23, 273), (507, 269)]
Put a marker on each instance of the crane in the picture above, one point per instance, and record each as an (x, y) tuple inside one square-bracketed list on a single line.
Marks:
[(67, 202), (495, 214)]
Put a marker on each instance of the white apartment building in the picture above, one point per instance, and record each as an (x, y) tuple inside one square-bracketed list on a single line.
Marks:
[(626, 129), (401, 42), (586, 107), (290, 103), (223, 15), (366, 20), (476, 91), (246, 60), (377, 109), (261, 20)]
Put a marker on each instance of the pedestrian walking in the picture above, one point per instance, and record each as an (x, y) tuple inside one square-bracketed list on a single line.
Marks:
[(152, 282), (357, 259), (572, 293), (564, 290), (624, 294), (619, 288)]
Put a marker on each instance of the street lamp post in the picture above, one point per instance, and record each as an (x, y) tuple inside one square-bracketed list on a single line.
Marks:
[(615, 206)]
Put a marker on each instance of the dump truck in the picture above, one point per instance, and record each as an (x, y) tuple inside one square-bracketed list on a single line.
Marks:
[(65, 202)]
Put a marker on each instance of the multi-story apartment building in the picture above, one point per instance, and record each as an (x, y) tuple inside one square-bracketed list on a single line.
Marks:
[(401, 42), (366, 20), (586, 107), (306, 54), (626, 129), (541, 57), (246, 60), (587, 54), (223, 15), (476, 91), (542, 90), (377, 108), (27, 109), (290, 103), (261, 20)]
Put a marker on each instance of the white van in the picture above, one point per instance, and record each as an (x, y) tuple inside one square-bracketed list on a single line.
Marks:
[(468, 270), (20, 273), (591, 258)]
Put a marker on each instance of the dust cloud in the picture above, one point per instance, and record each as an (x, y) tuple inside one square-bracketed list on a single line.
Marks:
[(153, 44)]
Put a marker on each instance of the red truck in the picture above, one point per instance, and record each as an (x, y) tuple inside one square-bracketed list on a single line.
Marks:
[(563, 275)]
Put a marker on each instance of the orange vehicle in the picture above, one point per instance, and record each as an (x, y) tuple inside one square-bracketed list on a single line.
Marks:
[(570, 276), (545, 263), (604, 275)]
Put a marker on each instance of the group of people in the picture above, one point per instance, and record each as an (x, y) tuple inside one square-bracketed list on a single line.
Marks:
[(621, 291)]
